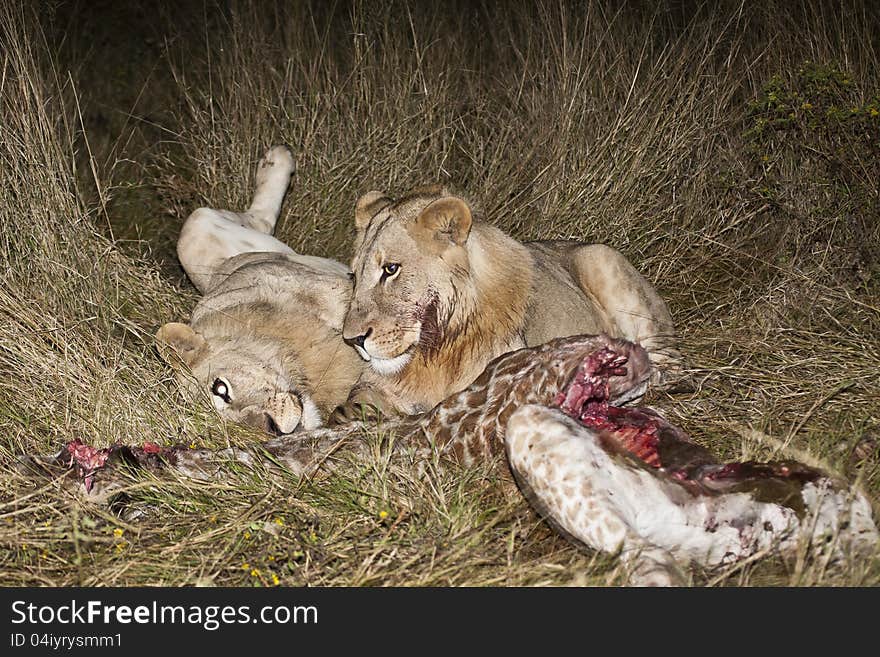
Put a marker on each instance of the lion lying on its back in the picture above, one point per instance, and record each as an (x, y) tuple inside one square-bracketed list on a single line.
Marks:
[(265, 340), (438, 294)]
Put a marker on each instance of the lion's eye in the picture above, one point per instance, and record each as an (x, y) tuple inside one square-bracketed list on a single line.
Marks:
[(390, 270), (220, 389)]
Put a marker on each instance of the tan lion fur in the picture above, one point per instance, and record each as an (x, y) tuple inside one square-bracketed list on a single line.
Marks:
[(466, 292), (265, 341), (272, 332)]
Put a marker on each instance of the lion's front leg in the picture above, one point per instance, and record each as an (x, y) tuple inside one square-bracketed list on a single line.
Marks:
[(365, 403)]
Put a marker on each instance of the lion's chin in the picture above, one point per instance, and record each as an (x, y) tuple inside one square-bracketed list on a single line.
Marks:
[(390, 366)]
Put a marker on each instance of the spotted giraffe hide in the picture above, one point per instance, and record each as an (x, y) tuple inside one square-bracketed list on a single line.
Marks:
[(615, 478)]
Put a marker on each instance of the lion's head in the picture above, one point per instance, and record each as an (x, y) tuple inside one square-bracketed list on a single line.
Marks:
[(249, 381), (411, 270)]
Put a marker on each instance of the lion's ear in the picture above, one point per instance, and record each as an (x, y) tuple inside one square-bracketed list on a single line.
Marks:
[(367, 206), (179, 339), (449, 215)]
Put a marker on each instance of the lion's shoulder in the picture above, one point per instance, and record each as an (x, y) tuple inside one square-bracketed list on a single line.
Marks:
[(292, 286)]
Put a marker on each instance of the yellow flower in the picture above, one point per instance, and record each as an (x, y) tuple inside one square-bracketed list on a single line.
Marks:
[(247, 534), (192, 445), (271, 557), (245, 566), (275, 579), (383, 514), (118, 532), (279, 522), (255, 572)]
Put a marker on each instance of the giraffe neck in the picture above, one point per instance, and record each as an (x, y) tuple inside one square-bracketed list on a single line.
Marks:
[(470, 425)]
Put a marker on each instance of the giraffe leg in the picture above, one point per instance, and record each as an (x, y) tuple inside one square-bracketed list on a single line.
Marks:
[(573, 482)]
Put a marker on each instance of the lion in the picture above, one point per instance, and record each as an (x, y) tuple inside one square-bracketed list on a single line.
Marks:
[(439, 293), (265, 340)]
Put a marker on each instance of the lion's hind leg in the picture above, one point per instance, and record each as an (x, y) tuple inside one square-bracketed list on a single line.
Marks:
[(210, 237), (632, 306), (273, 176)]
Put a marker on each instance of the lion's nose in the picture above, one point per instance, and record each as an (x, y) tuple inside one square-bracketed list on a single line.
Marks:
[(358, 341)]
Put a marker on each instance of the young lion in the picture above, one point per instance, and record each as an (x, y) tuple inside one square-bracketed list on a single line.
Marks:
[(266, 338), (439, 294)]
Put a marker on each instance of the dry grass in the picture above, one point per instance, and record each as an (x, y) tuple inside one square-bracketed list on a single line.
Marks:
[(731, 151)]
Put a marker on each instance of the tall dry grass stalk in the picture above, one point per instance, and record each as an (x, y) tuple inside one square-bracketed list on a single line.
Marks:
[(76, 351)]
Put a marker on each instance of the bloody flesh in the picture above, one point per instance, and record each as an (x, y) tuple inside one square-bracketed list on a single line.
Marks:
[(88, 459), (586, 400), (663, 446)]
